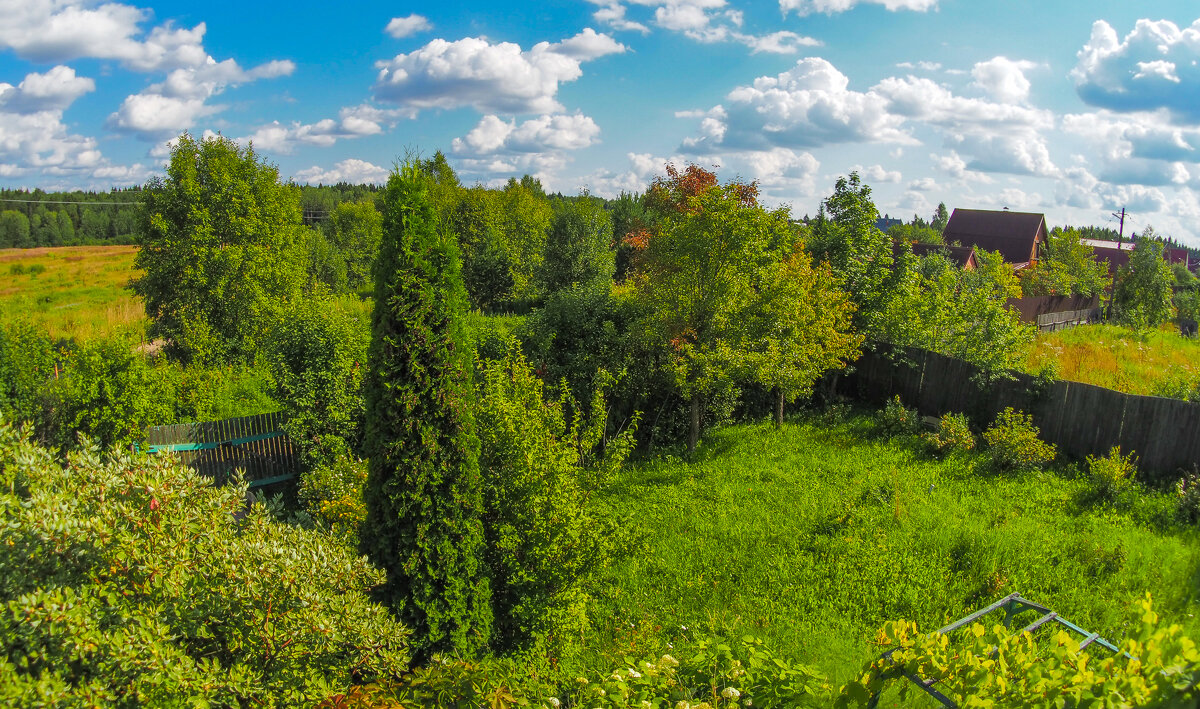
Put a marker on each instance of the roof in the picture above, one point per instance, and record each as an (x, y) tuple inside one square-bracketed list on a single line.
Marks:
[(1014, 234)]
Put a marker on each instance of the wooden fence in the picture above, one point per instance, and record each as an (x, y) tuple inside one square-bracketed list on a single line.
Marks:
[(1081, 419), (1055, 312), (254, 444)]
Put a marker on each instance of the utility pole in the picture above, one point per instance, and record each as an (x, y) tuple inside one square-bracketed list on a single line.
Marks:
[(1121, 231)]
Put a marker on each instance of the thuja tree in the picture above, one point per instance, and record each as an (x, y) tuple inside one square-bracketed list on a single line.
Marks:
[(423, 493)]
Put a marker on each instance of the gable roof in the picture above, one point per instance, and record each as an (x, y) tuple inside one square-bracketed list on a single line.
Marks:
[(1014, 234)]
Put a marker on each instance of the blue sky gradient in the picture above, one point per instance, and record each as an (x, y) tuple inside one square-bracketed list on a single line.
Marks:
[(1069, 108)]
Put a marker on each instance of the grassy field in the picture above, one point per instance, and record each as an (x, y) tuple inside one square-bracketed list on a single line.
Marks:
[(1161, 363), (811, 537), (74, 291)]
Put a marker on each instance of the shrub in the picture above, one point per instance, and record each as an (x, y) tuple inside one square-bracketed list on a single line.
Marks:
[(423, 495), (543, 462), (333, 495), (133, 581), (1013, 443), (27, 360), (1187, 497), (1111, 475), (896, 420), (953, 434)]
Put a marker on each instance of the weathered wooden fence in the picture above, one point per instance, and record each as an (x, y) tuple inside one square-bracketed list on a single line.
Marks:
[(1055, 312), (1081, 419), (254, 444)]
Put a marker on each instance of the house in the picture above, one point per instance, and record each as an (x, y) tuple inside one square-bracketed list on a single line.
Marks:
[(1116, 253), (1018, 236), (886, 222)]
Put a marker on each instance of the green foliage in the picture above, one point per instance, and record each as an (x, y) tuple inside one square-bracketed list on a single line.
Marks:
[(487, 269), (1013, 443), (27, 362), (354, 231), (953, 434), (1158, 666), (579, 247), (333, 496), (326, 267), (1187, 497), (940, 218), (914, 233), (894, 419), (524, 219), (1142, 293), (1068, 267), (423, 493), (133, 581), (543, 463), (221, 249), (318, 354), (1112, 475)]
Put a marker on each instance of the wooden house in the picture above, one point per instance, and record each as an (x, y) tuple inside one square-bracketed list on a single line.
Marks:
[(1018, 236)]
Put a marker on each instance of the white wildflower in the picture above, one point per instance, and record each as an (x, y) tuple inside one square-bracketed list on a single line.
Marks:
[(669, 661), (555, 703), (634, 674), (731, 693)]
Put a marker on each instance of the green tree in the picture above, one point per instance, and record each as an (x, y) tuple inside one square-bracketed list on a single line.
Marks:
[(579, 248), (487, 268), (1142, 294), (221, 251), (1068, 267), (423, 493), (629, 215), (940, 218), (914, 233), (354, 230), (14, 230), (524, 219)]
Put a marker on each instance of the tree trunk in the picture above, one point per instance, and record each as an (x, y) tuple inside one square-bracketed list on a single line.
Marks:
[(779, 409), (694, 434)]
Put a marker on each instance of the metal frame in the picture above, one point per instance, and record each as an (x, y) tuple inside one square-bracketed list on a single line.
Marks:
[(1012, 605)]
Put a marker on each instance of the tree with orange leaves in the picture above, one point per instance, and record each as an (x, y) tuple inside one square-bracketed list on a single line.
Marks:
[(708, 276)]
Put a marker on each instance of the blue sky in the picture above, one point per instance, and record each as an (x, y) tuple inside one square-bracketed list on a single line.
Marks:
[(1075, 109)]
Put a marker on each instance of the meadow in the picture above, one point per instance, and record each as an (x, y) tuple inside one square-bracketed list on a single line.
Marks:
[(71, 292), (812, 536), (1157, 363)]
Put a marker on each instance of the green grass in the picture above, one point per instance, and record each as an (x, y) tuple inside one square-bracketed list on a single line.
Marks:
[(71, 292), (813, 536), (1118, 358)]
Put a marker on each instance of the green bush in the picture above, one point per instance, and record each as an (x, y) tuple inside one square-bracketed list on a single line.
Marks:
[(27, 363), (1112, 475), (953, 434), (1187, 497), (1013, 443), (133, 581), (333, 495), (317, 353), (543, 462), (895, 420)]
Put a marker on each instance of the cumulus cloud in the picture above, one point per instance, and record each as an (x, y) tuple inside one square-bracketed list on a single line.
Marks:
[(496, 78), (537, 135), (1003, 78), (877, 173), (923, 66), (706, 21), (53, 91), (809, 105), (613, 14), (352, 170), (352, 122), (401, 27), (1155, 66), (806, 7)]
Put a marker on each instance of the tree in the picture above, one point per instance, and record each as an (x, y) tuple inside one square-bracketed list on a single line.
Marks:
[(844, 235), (221, 251), (487, 269), (699, 278), (915, 233), (1069, 267), (354, 230), (940, 218), (1142, 294), (423, 493), (579, 247), (524, 217), (14, 230)]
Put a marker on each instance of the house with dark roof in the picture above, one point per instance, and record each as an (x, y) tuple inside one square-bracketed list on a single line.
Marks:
[(1018, 236), (963, 257), (886, 222)]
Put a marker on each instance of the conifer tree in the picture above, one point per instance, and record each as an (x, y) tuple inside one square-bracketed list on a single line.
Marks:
[(423, 491)]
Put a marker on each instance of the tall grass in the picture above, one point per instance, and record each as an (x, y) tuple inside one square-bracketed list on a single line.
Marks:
[(814, 535), (1161, 362), (71, 292)]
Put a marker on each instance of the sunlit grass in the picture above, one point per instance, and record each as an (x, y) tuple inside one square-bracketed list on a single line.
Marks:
[(71, 292), (1119, 358), (813, 536)]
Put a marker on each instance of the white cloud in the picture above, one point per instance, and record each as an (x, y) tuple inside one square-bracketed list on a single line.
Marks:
[(877, 173), (1157, 65), (806, 7), (1138, 148), (1003, 78), (779, 43), (352, 170), (55, 90), (923, 66), (923, 184), (401, 27), (612, 14), (498, 78), (537, 135), (807, 106), (352, 122), (706, 21)]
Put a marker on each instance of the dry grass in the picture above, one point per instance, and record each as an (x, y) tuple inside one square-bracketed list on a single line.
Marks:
[(1118, 358), (72, 292)]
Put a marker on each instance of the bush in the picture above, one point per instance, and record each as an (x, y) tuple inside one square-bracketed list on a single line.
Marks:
[(27, 361), (1187, 497), (1013, 443), (543, 462), (133, 581), (896, 420), (1111, 475), (953, 434), (333, 495)]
